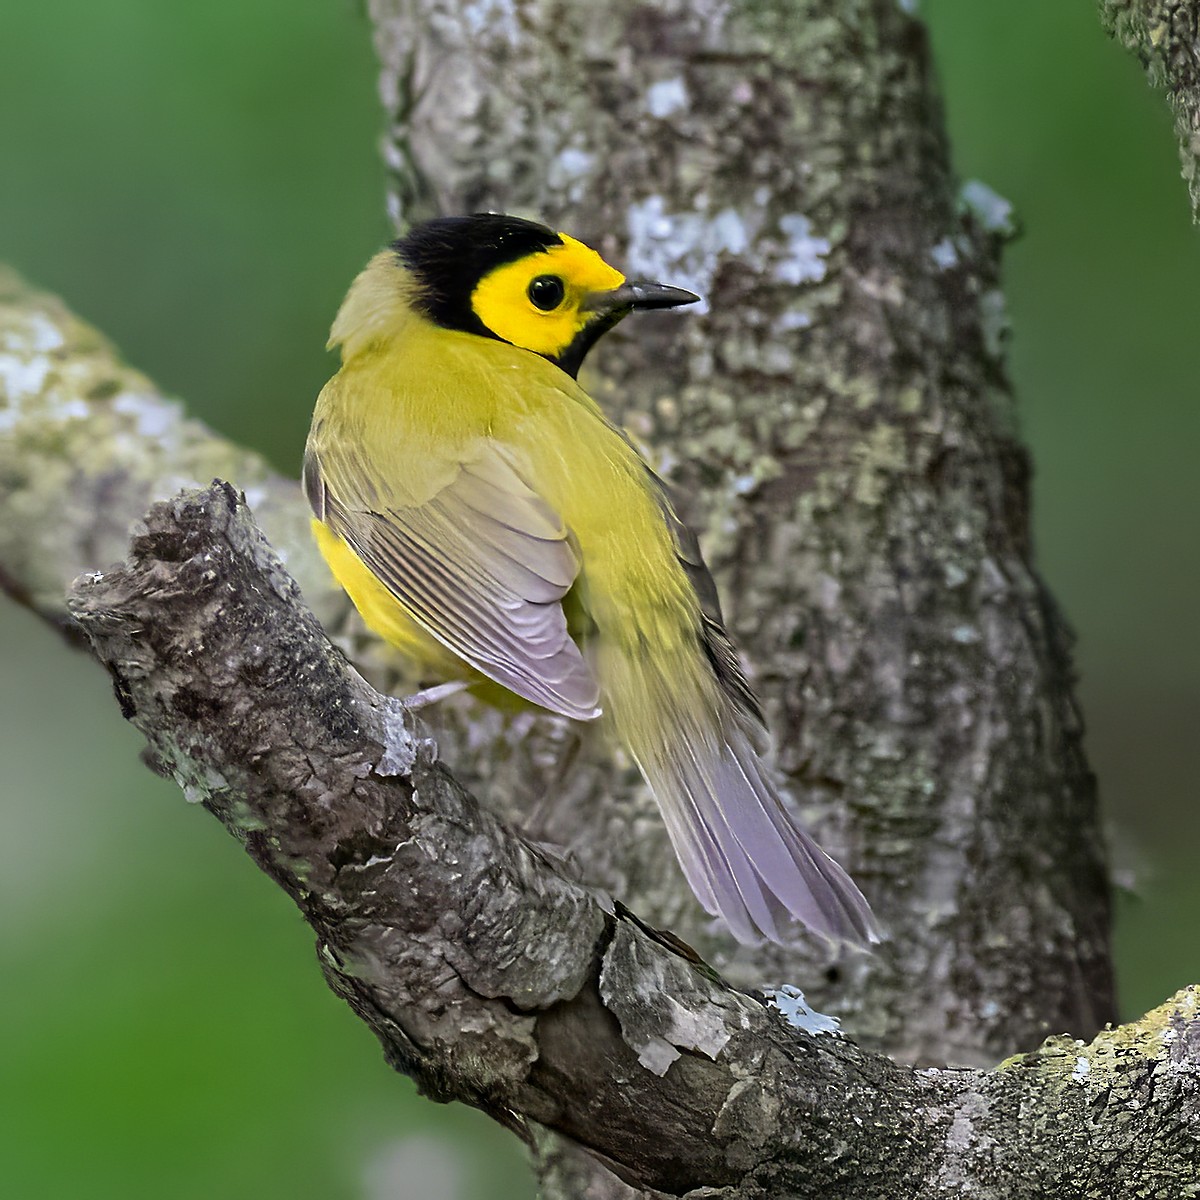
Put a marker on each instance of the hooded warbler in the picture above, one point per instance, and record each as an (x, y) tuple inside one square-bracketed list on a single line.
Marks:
[(489, 521)]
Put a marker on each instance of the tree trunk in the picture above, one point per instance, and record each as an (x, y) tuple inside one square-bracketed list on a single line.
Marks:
[(841, 422), (1165, 36)]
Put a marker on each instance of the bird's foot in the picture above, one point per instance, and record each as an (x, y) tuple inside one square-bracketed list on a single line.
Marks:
[(432, 695)]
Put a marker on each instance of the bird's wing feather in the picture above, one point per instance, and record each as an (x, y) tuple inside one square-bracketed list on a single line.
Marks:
[(715, 641), (483, 566)]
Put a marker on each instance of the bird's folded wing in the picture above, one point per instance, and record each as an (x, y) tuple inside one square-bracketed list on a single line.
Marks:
[(715, 641), (483, 566)]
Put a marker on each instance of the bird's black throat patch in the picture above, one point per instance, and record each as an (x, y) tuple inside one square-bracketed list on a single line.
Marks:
[(571, 359), (448, 256)]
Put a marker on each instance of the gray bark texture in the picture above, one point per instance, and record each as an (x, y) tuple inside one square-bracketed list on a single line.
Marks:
[(1165, 37), (839, 425)]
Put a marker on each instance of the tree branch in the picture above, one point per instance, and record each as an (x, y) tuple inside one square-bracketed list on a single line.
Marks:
[(87, 444), (1165, 37), (492, 979)]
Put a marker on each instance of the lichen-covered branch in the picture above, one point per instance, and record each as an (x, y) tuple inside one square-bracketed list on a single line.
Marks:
[(1165, 37), (87, 444), (491, 978)]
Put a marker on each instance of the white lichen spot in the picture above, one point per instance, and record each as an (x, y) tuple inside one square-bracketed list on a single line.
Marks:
[(965, 1134), (683, 249), (43, 335), (829, 593), (569, 172), (965, 635), (944, 254), (666, 97), (199, 785), (658, 1026), (993, 320), (729, 232), (791, 1003), (153, 416), (954, 575), (573, 162), (1082, 1068), (20, 376), (72, 409), (803, 258), (792, 319), (400, 752), (657, 1055), (990, 209), (496, 18)]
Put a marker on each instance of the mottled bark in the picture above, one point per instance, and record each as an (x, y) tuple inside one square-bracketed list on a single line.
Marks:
[(491, 978), (1165, 37)]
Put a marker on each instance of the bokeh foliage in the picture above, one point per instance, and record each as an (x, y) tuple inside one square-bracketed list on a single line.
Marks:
[(201, 181)]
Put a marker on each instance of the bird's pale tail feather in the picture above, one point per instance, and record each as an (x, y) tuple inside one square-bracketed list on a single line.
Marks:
[(743, 855)]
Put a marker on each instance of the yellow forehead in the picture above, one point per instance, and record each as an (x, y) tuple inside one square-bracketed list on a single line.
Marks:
[(579, 265)]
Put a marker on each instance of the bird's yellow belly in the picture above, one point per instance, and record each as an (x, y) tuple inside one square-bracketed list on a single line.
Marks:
[(386, 616)]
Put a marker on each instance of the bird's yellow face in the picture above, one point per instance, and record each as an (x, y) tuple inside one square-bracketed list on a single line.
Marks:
[(545, 300), (495, 276)]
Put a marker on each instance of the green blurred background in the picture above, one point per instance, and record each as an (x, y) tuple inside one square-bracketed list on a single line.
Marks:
[(201, 181)]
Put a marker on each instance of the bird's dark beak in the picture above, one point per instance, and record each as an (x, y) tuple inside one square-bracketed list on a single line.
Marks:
[(607, 308), (638, 293)]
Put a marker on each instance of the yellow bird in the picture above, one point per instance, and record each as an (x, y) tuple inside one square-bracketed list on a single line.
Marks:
[(490, 522)]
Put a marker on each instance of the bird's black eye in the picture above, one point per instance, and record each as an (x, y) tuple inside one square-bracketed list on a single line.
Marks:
[(546, 292)]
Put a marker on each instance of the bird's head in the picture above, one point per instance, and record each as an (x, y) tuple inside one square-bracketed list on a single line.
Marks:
[(506, 278)]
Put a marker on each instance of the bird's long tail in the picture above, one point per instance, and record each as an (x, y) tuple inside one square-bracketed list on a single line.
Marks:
[(743, 855)]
